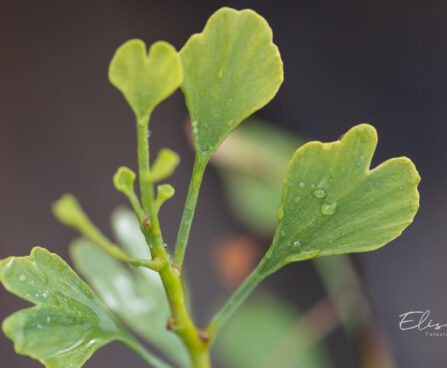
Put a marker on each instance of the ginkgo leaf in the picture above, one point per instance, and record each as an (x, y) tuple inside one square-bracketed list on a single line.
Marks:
[(137, 296), (230, 70), (145, 79), (332, 202), (68, 323)]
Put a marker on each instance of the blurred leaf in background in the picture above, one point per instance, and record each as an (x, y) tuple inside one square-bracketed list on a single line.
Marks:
[(137, 296), (252, 162), (266, 333)]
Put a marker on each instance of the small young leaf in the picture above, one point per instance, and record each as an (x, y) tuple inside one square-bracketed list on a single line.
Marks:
[(68, 323), (332, 203), (164, 165), (68, 211), (145, 80), (164, 192), (124, 180), (231, 70)]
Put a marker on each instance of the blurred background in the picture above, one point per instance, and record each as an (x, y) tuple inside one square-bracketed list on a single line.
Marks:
[(64, 128)]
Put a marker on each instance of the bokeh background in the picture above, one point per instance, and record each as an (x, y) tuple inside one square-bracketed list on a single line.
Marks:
[(64, 128)]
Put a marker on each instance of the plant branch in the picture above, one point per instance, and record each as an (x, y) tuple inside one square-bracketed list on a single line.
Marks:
[(188, 211), (180, 322)]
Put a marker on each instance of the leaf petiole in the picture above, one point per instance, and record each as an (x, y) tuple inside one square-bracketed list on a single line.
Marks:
[(189, 209)]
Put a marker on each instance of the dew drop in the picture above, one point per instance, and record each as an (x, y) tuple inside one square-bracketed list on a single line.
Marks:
[(328, 208), (149, 133), (302, 185), (22, 277), (45, 293), (319, 193), (313, 185), (39, 326), (296, 243), (195, 123), (48, 319), (280, 212), (297, 199), (195, 130), (283, 233), (165, 245)]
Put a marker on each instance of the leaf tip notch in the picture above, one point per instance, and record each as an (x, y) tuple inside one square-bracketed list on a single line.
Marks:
[(333, 203), (145, 78)]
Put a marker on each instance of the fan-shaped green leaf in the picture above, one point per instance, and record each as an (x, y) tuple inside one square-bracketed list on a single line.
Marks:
[(145, 79), (68, 323), (230, 70), (332, 202)]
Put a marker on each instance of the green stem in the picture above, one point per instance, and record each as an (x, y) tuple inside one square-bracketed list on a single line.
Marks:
[(235, 301), (180, 322), (188, 211)]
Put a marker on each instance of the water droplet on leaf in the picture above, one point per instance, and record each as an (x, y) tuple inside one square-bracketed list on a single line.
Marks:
[(319, 193), (302, 185), (280, 213), (328, 208), (22, 277), (296, 243)]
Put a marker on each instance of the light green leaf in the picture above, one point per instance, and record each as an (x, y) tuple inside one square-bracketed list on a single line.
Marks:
[(264, 327), (68, 323), (231, 70), (137, 296), (145, 79), (332, 202), (164, 165)]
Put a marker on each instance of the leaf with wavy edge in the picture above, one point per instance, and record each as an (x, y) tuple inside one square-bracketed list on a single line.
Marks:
[(230, 70), (332, 203)]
